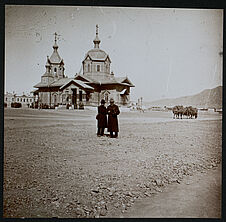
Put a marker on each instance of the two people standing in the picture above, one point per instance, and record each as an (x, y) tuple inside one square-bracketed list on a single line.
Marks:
[(112, 123)]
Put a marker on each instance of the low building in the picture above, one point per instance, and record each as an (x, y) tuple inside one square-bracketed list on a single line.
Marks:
[(25, 100), (9, 98)]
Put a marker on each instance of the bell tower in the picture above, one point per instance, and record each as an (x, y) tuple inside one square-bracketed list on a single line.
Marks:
[(56, 62), (96, 63)]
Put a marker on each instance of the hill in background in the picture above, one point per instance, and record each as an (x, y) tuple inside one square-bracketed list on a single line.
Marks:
[(209, 98)]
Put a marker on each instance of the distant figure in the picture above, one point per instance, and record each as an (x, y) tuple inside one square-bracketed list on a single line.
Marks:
[(101, 118), (113, 111)]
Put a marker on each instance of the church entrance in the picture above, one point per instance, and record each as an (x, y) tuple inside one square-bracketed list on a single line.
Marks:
[(55, 100), (74, 98)]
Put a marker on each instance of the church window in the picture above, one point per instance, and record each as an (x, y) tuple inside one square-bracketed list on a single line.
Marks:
[(30, 100), (24, 100), (55, 70), (88, 67), (98, 68), (17, 99), (20, 99)]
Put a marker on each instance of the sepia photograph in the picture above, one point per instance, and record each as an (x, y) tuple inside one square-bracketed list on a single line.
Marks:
[(112, 112)]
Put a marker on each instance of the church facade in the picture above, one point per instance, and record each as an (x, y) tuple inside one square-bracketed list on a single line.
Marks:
[(96, 81)]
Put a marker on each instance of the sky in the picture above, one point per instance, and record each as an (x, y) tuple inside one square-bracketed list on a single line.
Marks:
[(166, 53)]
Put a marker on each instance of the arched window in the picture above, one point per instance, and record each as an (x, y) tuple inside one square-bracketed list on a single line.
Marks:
[(88, 67), (55, 71), (98, 68)]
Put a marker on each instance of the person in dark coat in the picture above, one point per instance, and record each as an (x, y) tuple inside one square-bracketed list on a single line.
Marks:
[(101, 118), (113, 112)]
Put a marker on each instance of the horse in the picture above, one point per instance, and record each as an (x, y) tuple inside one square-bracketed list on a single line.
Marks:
[(177, 112), (180, 111)]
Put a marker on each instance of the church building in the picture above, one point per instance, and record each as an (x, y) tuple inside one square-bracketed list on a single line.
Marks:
[(96, 81)]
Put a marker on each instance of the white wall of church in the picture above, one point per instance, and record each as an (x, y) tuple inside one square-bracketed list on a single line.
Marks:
[(55, 98), (96, 67), (44, 97), (106, 95), (61, 97)]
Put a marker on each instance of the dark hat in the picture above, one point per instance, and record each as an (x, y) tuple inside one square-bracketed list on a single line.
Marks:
[(102, 101)]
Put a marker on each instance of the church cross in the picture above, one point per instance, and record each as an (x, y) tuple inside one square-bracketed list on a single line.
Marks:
[(55, 36), (96, 30)]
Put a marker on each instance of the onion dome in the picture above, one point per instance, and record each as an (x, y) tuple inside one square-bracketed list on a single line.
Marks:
[(55, 58), (96, 53)]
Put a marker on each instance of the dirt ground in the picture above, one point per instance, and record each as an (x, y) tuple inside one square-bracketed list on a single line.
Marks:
[(56, 166), (197, 196)]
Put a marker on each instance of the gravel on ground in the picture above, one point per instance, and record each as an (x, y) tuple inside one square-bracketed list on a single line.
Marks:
[(56, 166)]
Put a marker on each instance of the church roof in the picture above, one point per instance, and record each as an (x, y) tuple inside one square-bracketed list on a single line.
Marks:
[(97, 54), (60, 82), (87, 79), (79, 82), (63, 82), (34, 91), (113, 80), (120, 79), (47, 74), (108, 81), (40, 84), (117, 80), (124, 81), (123, 91), (55, 58)]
